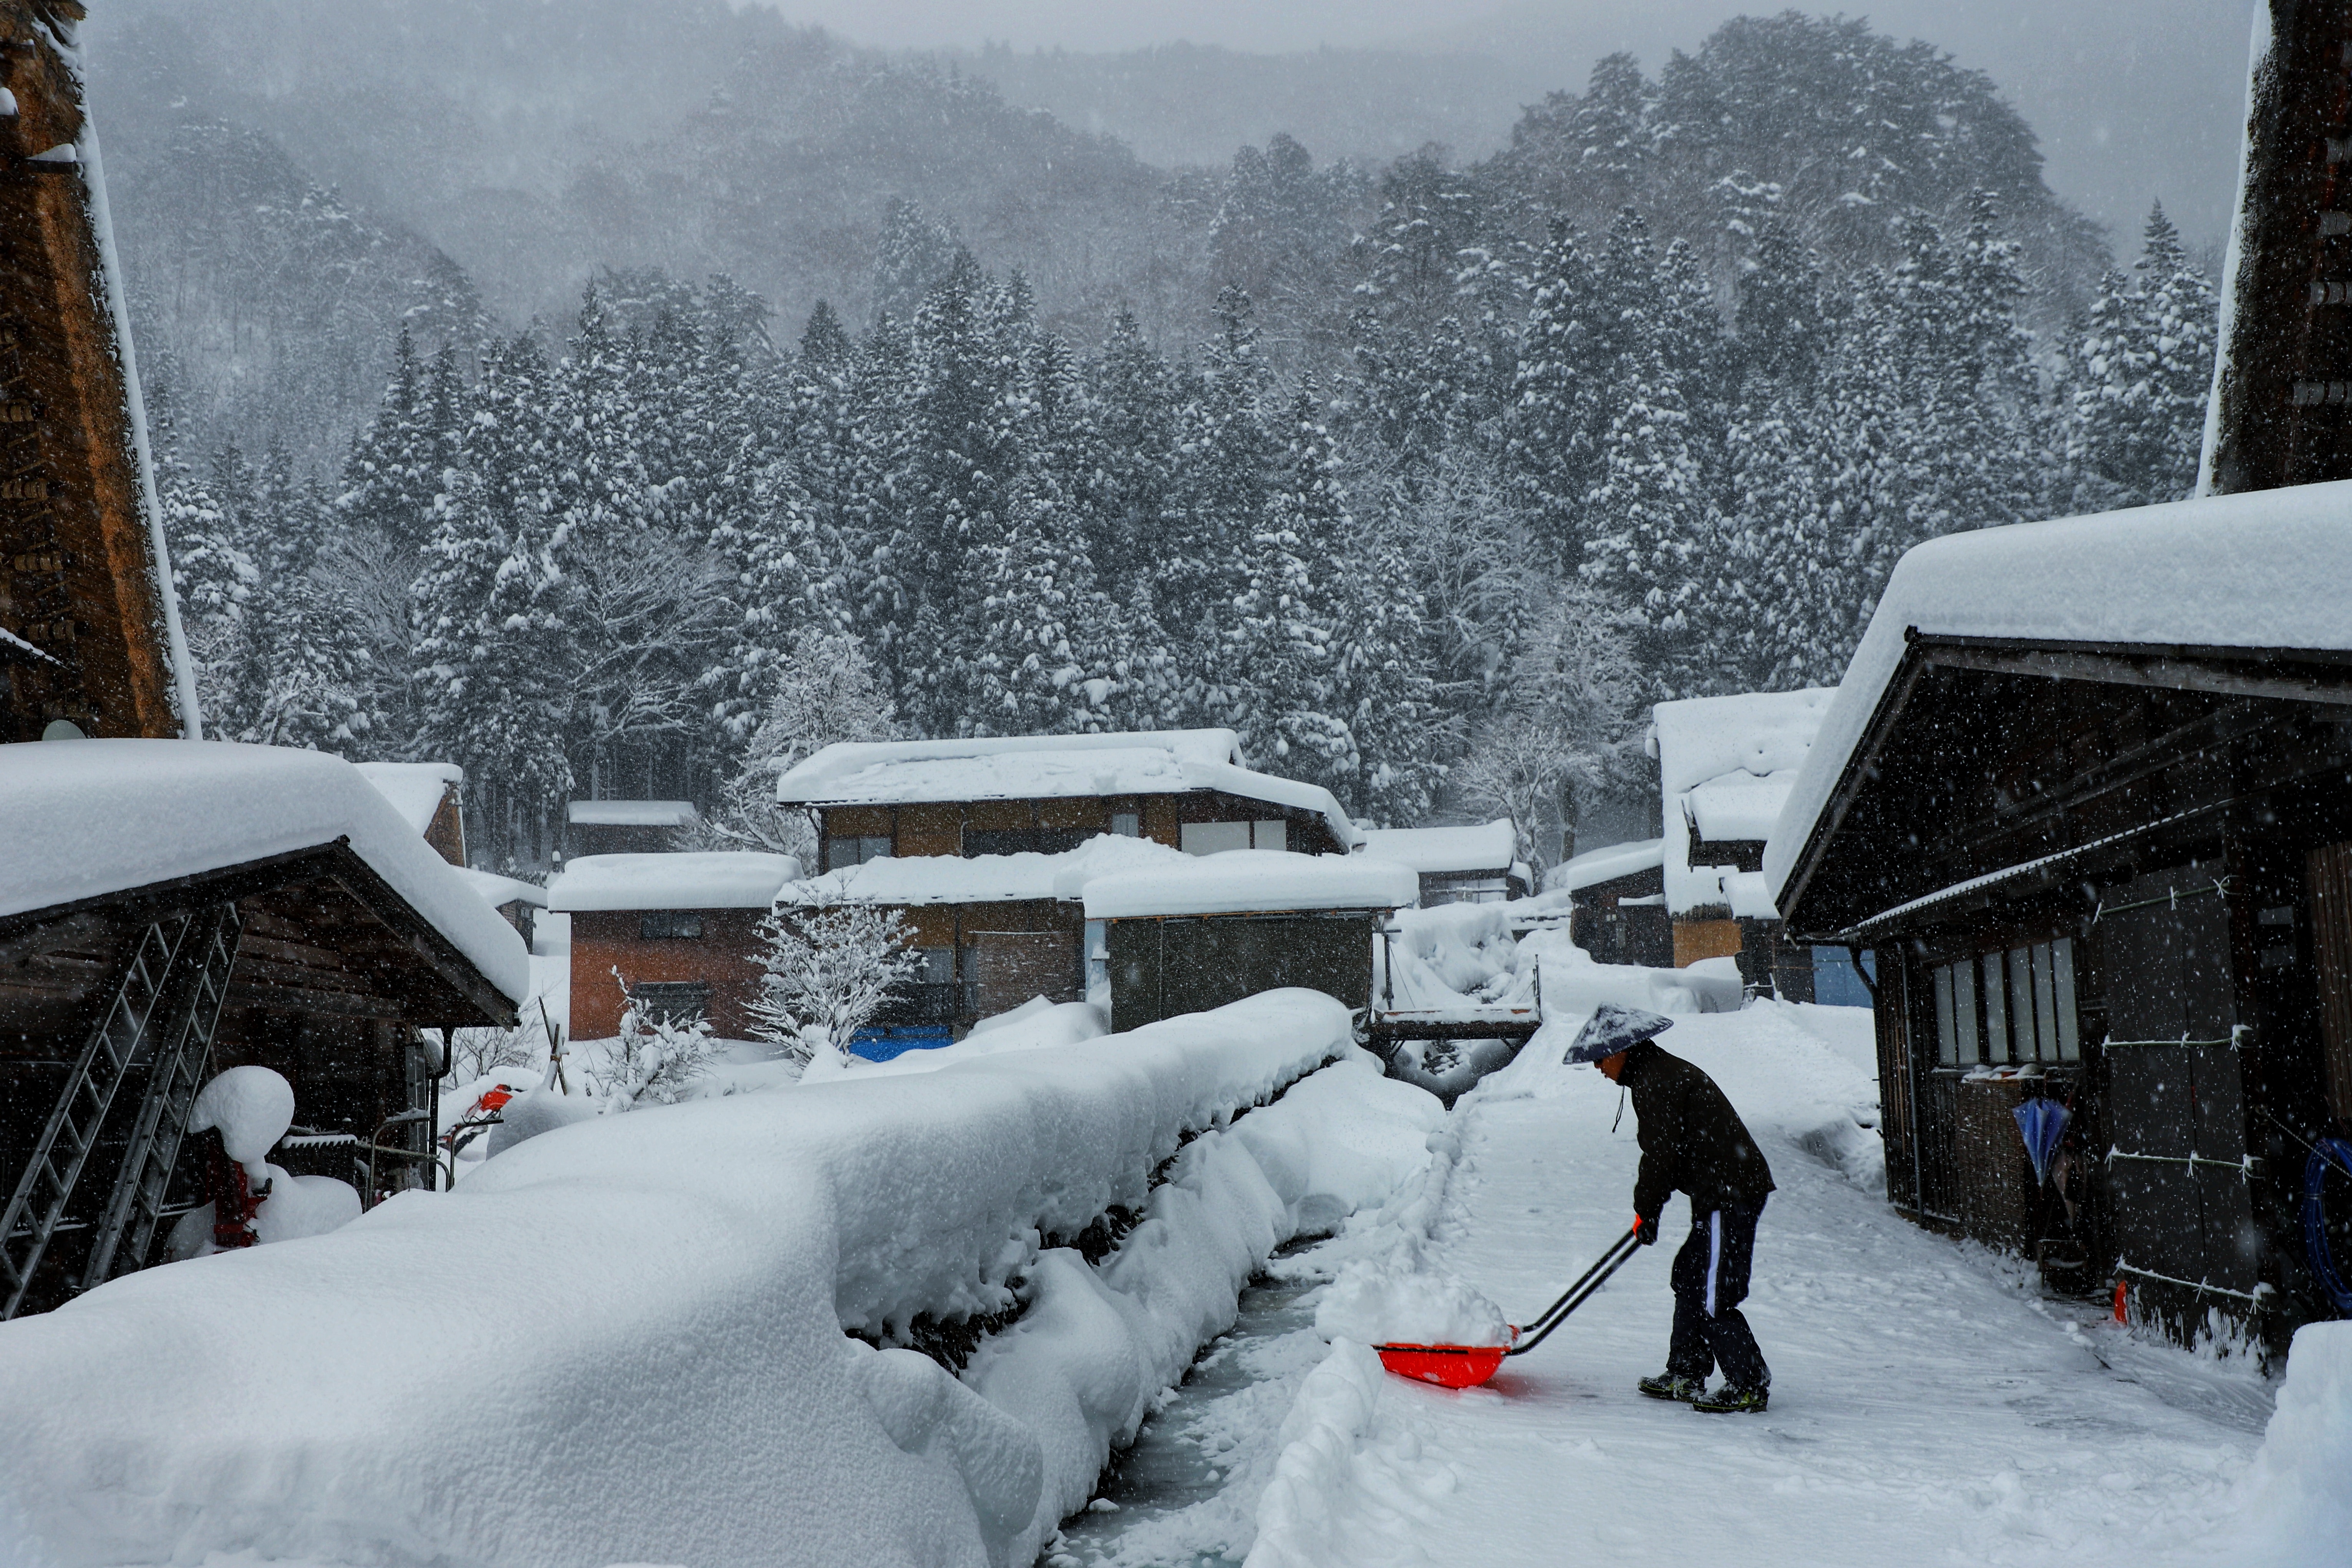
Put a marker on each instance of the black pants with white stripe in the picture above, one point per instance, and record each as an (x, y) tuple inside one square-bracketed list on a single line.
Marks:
[(1710, 1281)]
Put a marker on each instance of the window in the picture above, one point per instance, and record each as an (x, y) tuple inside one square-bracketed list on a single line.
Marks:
[(1216, 837), (1127, 824), (669, 925), (2026, 998), (855, 849), (1212, 838), (671, 1000), (1097, 956)]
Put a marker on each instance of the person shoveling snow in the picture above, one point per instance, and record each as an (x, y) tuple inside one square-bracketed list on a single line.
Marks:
[(1692, 1142)]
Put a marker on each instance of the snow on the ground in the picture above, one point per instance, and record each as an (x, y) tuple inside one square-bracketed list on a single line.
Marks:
[(623, 1341), (1928, 1405)]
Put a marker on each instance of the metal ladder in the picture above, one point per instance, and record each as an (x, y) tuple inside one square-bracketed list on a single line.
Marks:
[(154, 998), (184, 1048)]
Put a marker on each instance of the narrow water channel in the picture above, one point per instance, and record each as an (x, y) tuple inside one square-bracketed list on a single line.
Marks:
[(1184, 1494)]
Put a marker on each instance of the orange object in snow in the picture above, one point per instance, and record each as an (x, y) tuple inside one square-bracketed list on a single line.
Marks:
[(1466, 1366), (2123, 1311), (1448, 1366), (493, 1099)]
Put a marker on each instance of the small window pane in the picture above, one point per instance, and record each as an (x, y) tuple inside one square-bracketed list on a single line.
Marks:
[(1996, 1010), (1275, 835), (1212, 838), (2062, 969), (1964, 1012), (2045, 1004), (872, 847), (939, 966), (1947, 1040), (669, 925), (2020, 1004), (1127, 824)]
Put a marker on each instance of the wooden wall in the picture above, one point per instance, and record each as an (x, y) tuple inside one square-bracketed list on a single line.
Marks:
[(78, 577), (604, 940)]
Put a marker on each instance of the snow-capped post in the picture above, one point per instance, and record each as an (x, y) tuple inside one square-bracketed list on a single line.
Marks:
[(831, 964)]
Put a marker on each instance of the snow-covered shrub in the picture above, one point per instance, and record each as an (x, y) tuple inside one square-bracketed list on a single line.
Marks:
[(831, 964), (654, 1059)]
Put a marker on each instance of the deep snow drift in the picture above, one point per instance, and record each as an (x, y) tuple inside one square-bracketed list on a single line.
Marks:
[(624, 1339)]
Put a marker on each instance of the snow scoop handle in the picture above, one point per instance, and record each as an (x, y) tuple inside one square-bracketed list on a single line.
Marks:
[(1576, 1295)]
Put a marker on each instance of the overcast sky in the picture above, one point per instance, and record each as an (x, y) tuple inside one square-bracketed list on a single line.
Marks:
[(2134, 99)]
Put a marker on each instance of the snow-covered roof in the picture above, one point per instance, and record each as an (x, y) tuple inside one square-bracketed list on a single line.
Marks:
[(713, 879), (90, 818), (631, 812), (2268, 569), (1725, 765), (1254, 881), (496, 891), (1479, 846), (1047, 767), (1605, 864), (985, 879), (415, 789)]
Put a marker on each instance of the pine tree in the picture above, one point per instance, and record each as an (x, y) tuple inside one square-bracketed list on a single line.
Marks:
[(2137, 376)]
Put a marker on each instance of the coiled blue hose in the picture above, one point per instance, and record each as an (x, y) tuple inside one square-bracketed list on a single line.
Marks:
[(2327, 1152)]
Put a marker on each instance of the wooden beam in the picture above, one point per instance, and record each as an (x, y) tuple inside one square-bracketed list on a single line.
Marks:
[(2164, 671)]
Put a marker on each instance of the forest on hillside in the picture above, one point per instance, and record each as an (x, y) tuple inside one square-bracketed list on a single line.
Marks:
[(1427, 479)]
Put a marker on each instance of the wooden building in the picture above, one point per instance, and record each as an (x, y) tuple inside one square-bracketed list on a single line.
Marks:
[(1476, 863), (1188, 789), (172, 907), (89, 637), (2283, 395), (2084, 794), (1725, 767), (1618, 902), (682, 929), (624, 826), (1189, 937)]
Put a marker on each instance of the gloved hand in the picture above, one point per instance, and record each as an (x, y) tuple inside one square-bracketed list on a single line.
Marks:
[(1645, 1230)]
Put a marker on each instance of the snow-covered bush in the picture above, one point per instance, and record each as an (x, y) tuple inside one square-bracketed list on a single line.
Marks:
[(831, 964), (654, 1059)]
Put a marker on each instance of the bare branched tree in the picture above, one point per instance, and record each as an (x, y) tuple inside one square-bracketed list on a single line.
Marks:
[(654, 1059)]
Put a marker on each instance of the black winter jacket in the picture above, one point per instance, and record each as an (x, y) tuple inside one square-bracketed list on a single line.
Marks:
[(1691, 1140)]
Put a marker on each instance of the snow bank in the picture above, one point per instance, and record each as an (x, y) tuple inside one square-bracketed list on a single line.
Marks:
[(1483, 846), (1574, 984), (2264, 569), (1727, 766), (90, 818), (2298, 1497), (985, 879), (1374, 1302), (415, 789), (623, 1341), (1253, 880), (711, 879)]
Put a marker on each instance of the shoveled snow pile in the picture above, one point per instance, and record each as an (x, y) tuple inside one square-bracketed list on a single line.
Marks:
[(1375, 1302), (623, 1341), (2298, 1497)]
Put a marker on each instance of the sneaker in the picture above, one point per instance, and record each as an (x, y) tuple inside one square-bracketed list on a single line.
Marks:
[(1686, 1389), (1730, 1401)]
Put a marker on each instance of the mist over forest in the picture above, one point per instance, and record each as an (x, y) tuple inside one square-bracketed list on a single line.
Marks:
[(545, 388)]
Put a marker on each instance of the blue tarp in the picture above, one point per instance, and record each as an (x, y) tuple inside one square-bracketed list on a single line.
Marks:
[(881, 1045)]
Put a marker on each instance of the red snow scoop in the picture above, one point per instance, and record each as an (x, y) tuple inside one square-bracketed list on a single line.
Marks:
[(1466, 1366)]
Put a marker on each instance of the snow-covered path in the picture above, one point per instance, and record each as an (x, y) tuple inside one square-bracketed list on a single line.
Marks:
[(1926, 1406)]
